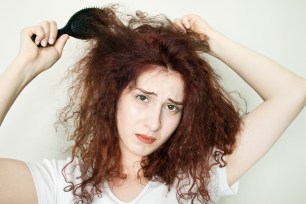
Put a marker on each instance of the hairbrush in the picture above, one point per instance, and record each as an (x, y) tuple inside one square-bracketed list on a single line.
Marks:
[(81, 25)]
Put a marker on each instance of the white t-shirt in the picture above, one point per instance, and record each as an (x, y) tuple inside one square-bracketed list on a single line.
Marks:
[(49, 183)]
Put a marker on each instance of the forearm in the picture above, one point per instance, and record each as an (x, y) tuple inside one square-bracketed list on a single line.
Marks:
[(12, 82), (269, 79)]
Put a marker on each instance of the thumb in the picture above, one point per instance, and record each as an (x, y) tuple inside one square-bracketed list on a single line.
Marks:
[(60, 43)]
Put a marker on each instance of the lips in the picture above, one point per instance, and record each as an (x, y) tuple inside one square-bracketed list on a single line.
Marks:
[(145, 139)]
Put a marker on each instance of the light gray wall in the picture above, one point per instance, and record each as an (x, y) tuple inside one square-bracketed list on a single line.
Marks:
[(276, 28)]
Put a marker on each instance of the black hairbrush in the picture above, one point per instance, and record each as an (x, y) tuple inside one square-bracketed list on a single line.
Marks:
[(81, 25)]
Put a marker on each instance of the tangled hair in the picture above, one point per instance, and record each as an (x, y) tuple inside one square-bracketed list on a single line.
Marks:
[(124, 47)]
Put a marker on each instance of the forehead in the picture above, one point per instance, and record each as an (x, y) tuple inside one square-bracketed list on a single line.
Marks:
[(162, 82)]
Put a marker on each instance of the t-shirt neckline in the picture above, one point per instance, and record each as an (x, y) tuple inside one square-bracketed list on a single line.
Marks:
[(117, 200)]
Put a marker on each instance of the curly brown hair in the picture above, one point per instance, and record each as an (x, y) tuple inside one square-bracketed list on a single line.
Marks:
[(121, 50)]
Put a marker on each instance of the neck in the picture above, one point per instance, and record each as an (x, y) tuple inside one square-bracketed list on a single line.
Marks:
[(131, 166), (130, 169), (130, 162)]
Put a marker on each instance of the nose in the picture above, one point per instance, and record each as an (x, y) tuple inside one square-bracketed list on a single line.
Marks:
[(153, 119)]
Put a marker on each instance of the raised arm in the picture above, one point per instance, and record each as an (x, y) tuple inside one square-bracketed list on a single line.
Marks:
[(30, 61), (283, 92), (16, 182)]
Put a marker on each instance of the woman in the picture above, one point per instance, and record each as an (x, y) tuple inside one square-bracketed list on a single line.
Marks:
[(152, 123)]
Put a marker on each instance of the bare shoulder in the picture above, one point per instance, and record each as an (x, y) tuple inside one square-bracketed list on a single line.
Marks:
[(16, 183)]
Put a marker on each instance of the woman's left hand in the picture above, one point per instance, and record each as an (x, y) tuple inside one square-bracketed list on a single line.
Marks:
[(194, 23)]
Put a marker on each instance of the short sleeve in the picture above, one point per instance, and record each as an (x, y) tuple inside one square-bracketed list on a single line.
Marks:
[(218, 186), (49, 181), (225, 189)]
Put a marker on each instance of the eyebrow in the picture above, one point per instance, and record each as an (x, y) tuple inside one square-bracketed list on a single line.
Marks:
[(146, 92), (152, 93)]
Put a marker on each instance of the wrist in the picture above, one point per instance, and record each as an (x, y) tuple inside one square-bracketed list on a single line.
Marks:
[(213, 37), (215, 41), (20, 71)]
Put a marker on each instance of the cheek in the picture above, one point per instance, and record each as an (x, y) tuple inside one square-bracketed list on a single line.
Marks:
[(127, 114), (171, 125), (130, 113)]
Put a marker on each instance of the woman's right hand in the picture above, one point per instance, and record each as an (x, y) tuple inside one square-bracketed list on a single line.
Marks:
[(37, 59), (30, 61)]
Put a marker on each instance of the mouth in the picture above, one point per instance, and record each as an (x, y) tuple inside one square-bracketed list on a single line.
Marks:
[(145, 139)]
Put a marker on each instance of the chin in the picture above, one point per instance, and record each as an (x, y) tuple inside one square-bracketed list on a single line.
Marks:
[(142, 153)]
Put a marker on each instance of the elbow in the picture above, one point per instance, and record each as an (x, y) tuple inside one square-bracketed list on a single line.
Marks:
[(304, 91), (299, 92), (295, 93)]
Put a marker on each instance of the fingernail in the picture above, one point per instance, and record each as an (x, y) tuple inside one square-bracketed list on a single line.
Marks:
[(51, 41), (43, 43)]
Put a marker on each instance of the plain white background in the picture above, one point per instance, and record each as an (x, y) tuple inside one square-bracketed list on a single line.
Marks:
[(275, 28)]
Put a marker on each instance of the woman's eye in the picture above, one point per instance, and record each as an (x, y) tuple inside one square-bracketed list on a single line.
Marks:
[(142, 98), (172, 108)]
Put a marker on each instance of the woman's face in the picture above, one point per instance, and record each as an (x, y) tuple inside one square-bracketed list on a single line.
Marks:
[(150, 112)]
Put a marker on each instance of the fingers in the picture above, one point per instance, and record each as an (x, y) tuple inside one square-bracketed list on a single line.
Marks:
[(45, 33), (180, 24), (193, 23), (53, 32), (185, 22)]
